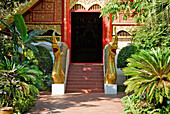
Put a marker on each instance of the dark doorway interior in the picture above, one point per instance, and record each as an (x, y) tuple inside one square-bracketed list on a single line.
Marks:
[(86, 37)]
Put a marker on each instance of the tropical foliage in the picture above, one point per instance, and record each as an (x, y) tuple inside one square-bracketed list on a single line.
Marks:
[(43, 59), (149, 70), (137, 105), (19, 79), (152, 14), (17, 88), (20, 39), (150, 75)]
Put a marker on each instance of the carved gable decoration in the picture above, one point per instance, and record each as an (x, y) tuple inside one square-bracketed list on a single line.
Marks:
[(46, 12), (87, 4), (72, 3)]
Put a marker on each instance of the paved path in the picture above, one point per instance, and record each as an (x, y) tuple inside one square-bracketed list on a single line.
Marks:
[(79, 103)]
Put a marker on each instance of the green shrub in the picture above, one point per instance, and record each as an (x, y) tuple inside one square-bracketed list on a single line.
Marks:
[(125, 53), (45, 62), (45, 82), (17, 88), (137, 105), (42, 59)]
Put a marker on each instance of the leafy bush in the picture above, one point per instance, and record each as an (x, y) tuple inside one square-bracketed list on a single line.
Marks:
[(16, 87), (138, 105), (45, 62), (125, 53), (45, 82), (42, 59), (150, 71)]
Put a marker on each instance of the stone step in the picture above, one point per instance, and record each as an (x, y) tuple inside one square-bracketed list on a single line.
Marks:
[(85, 73), (85, 83), (85, 90), (86, 69), (85, 87), (86, 66), (85, 78)]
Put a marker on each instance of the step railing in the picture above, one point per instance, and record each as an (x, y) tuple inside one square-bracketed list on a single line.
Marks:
[(66, 68)]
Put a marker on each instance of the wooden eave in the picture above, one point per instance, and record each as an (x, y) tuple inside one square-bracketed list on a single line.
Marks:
[(23, 10)]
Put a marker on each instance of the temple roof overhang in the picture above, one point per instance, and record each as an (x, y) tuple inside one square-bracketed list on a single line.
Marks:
[(23, 10)]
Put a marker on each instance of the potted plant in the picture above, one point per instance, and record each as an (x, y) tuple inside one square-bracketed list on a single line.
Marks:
[(8, 85), (6, 110)]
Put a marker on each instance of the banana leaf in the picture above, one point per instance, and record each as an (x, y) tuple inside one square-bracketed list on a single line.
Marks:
[(21, 26)]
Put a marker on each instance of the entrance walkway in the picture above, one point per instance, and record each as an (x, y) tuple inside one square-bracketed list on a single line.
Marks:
[(79, 103)]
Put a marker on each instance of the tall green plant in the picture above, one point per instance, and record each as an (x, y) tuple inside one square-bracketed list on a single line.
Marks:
[(21, 38), (150, 71)]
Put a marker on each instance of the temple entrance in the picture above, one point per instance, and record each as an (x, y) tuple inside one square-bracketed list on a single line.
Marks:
[(86, 37)]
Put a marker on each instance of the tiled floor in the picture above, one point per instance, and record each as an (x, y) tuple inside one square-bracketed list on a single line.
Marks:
[(79, 103)]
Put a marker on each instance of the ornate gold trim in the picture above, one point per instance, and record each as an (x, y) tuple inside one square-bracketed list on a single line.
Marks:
[(21, 11), (43, 11), (72, 3), (58, 38), (45, 27), (87, 3)]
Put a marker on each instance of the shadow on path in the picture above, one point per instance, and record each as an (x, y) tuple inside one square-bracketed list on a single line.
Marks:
[(77, 102)]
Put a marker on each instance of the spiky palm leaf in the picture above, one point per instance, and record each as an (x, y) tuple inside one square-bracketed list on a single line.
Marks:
[(150, 71)]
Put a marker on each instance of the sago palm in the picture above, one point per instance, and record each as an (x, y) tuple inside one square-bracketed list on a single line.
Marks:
[(150, 73)]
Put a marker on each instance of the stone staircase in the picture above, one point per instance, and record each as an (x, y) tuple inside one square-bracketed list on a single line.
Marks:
[(85, 78)]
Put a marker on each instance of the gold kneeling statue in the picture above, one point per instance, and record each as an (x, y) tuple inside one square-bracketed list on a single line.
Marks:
[(111, 74), (58, 75)]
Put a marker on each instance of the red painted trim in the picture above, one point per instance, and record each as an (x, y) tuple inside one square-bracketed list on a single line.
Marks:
[(86, 63), (67, 20), (62, 26), (69, 41), (104, 33), (105, 40), (111, 27)]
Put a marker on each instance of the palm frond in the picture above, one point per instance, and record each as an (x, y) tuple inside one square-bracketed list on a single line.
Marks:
[(150, 72)]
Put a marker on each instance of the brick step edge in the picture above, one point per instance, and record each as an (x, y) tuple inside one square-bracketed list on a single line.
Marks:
[(83, 80), (85, 86), (93, 69), (85, 90), (85, 73), (86, 66), (89, 83)]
